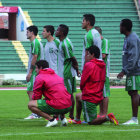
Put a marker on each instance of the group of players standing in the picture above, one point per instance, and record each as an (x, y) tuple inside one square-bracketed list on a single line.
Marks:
[(58, 53)]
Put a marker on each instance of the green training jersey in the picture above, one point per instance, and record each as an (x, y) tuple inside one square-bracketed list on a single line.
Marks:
[(51, 54), (36, 49), (106, 50), (65, 69), (92, 37)]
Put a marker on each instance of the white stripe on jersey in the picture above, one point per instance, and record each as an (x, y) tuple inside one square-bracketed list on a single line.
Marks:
[(66, 48), (134, 84), (86, 113), (33, 46), (97, 40), (106, 45)]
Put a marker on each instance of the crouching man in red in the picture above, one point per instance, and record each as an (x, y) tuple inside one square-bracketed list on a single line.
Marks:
[(57, 99)]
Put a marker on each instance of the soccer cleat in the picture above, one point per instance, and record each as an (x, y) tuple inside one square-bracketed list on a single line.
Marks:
[(83, 122), (64, 122), (113, 119), (131, 122), (52, 123), (32, 116), (74, 121)]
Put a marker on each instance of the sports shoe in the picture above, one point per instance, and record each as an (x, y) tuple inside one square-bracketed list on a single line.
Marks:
[(53, 123), (64, 122), (131, 122), (113, 119), (74, 121), (84, 122), (32, 116)]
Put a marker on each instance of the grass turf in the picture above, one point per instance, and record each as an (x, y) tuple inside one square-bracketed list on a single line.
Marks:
[(13, 108)]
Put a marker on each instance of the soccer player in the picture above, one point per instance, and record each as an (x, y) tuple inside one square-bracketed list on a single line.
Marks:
[(92, 83), (92, 37), (51, 86), (35, 54), (67, 62), (131, 67), (106, 58), (51, 47)]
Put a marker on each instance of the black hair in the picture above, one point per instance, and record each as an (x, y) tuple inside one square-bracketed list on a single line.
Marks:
[(64, 29), (33, 29), (90, 18), (94, 50), (98, 29), (127, 23), (49, 28), (42, 63)]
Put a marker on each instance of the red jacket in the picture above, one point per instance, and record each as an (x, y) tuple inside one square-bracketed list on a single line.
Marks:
[(50, 85), (92, 81)]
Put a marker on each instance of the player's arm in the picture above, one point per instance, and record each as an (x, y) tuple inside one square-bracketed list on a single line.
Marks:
[(37, 89), (68, 53), (105, 48), (104, 56), (87, 70), (34, 59), (132, 57), (75, 65)]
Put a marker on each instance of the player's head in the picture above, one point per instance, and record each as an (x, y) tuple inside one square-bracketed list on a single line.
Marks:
[(41, 64), (126, 26), (88, 20), (32, 30), (62, 30), (47, 31), (92, 52), (98, 29)]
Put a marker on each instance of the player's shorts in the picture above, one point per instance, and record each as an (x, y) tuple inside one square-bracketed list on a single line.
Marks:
[(31, 82), (132, 83), (43, 106), (89, 111), (106, 90), (70, 84)]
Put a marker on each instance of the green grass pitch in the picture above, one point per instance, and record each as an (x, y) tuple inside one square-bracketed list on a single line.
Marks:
[(13, 108)]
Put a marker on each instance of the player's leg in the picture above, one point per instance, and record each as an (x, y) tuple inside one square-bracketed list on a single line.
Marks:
[(30, 87), (71, 88), (134, 102), (33, 107), (30, 93), (132, 86), (90, 114), (104, 106), (71, 115), (78, 109), (78, 105), (105, 101), (41, 108)]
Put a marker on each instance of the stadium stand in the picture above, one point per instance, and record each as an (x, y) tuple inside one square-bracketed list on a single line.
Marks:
[(108, 15)]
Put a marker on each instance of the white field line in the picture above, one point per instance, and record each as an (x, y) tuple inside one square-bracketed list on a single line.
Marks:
[(81, 131), (12, 88)]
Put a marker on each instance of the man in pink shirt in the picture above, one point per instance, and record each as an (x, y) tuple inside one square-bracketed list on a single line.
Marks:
[(51, 86)]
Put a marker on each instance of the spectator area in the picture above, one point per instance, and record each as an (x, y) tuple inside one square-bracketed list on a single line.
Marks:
[(108, 15)]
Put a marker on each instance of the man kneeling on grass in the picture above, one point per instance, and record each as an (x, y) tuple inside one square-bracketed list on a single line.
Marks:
[(92, 83), (57, 99)]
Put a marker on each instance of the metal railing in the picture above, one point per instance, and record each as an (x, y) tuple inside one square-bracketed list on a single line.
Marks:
[(137, 4)]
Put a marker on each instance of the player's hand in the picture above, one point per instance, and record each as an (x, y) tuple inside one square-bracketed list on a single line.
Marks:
[(28, 77), (120, 75), (78, 73)]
